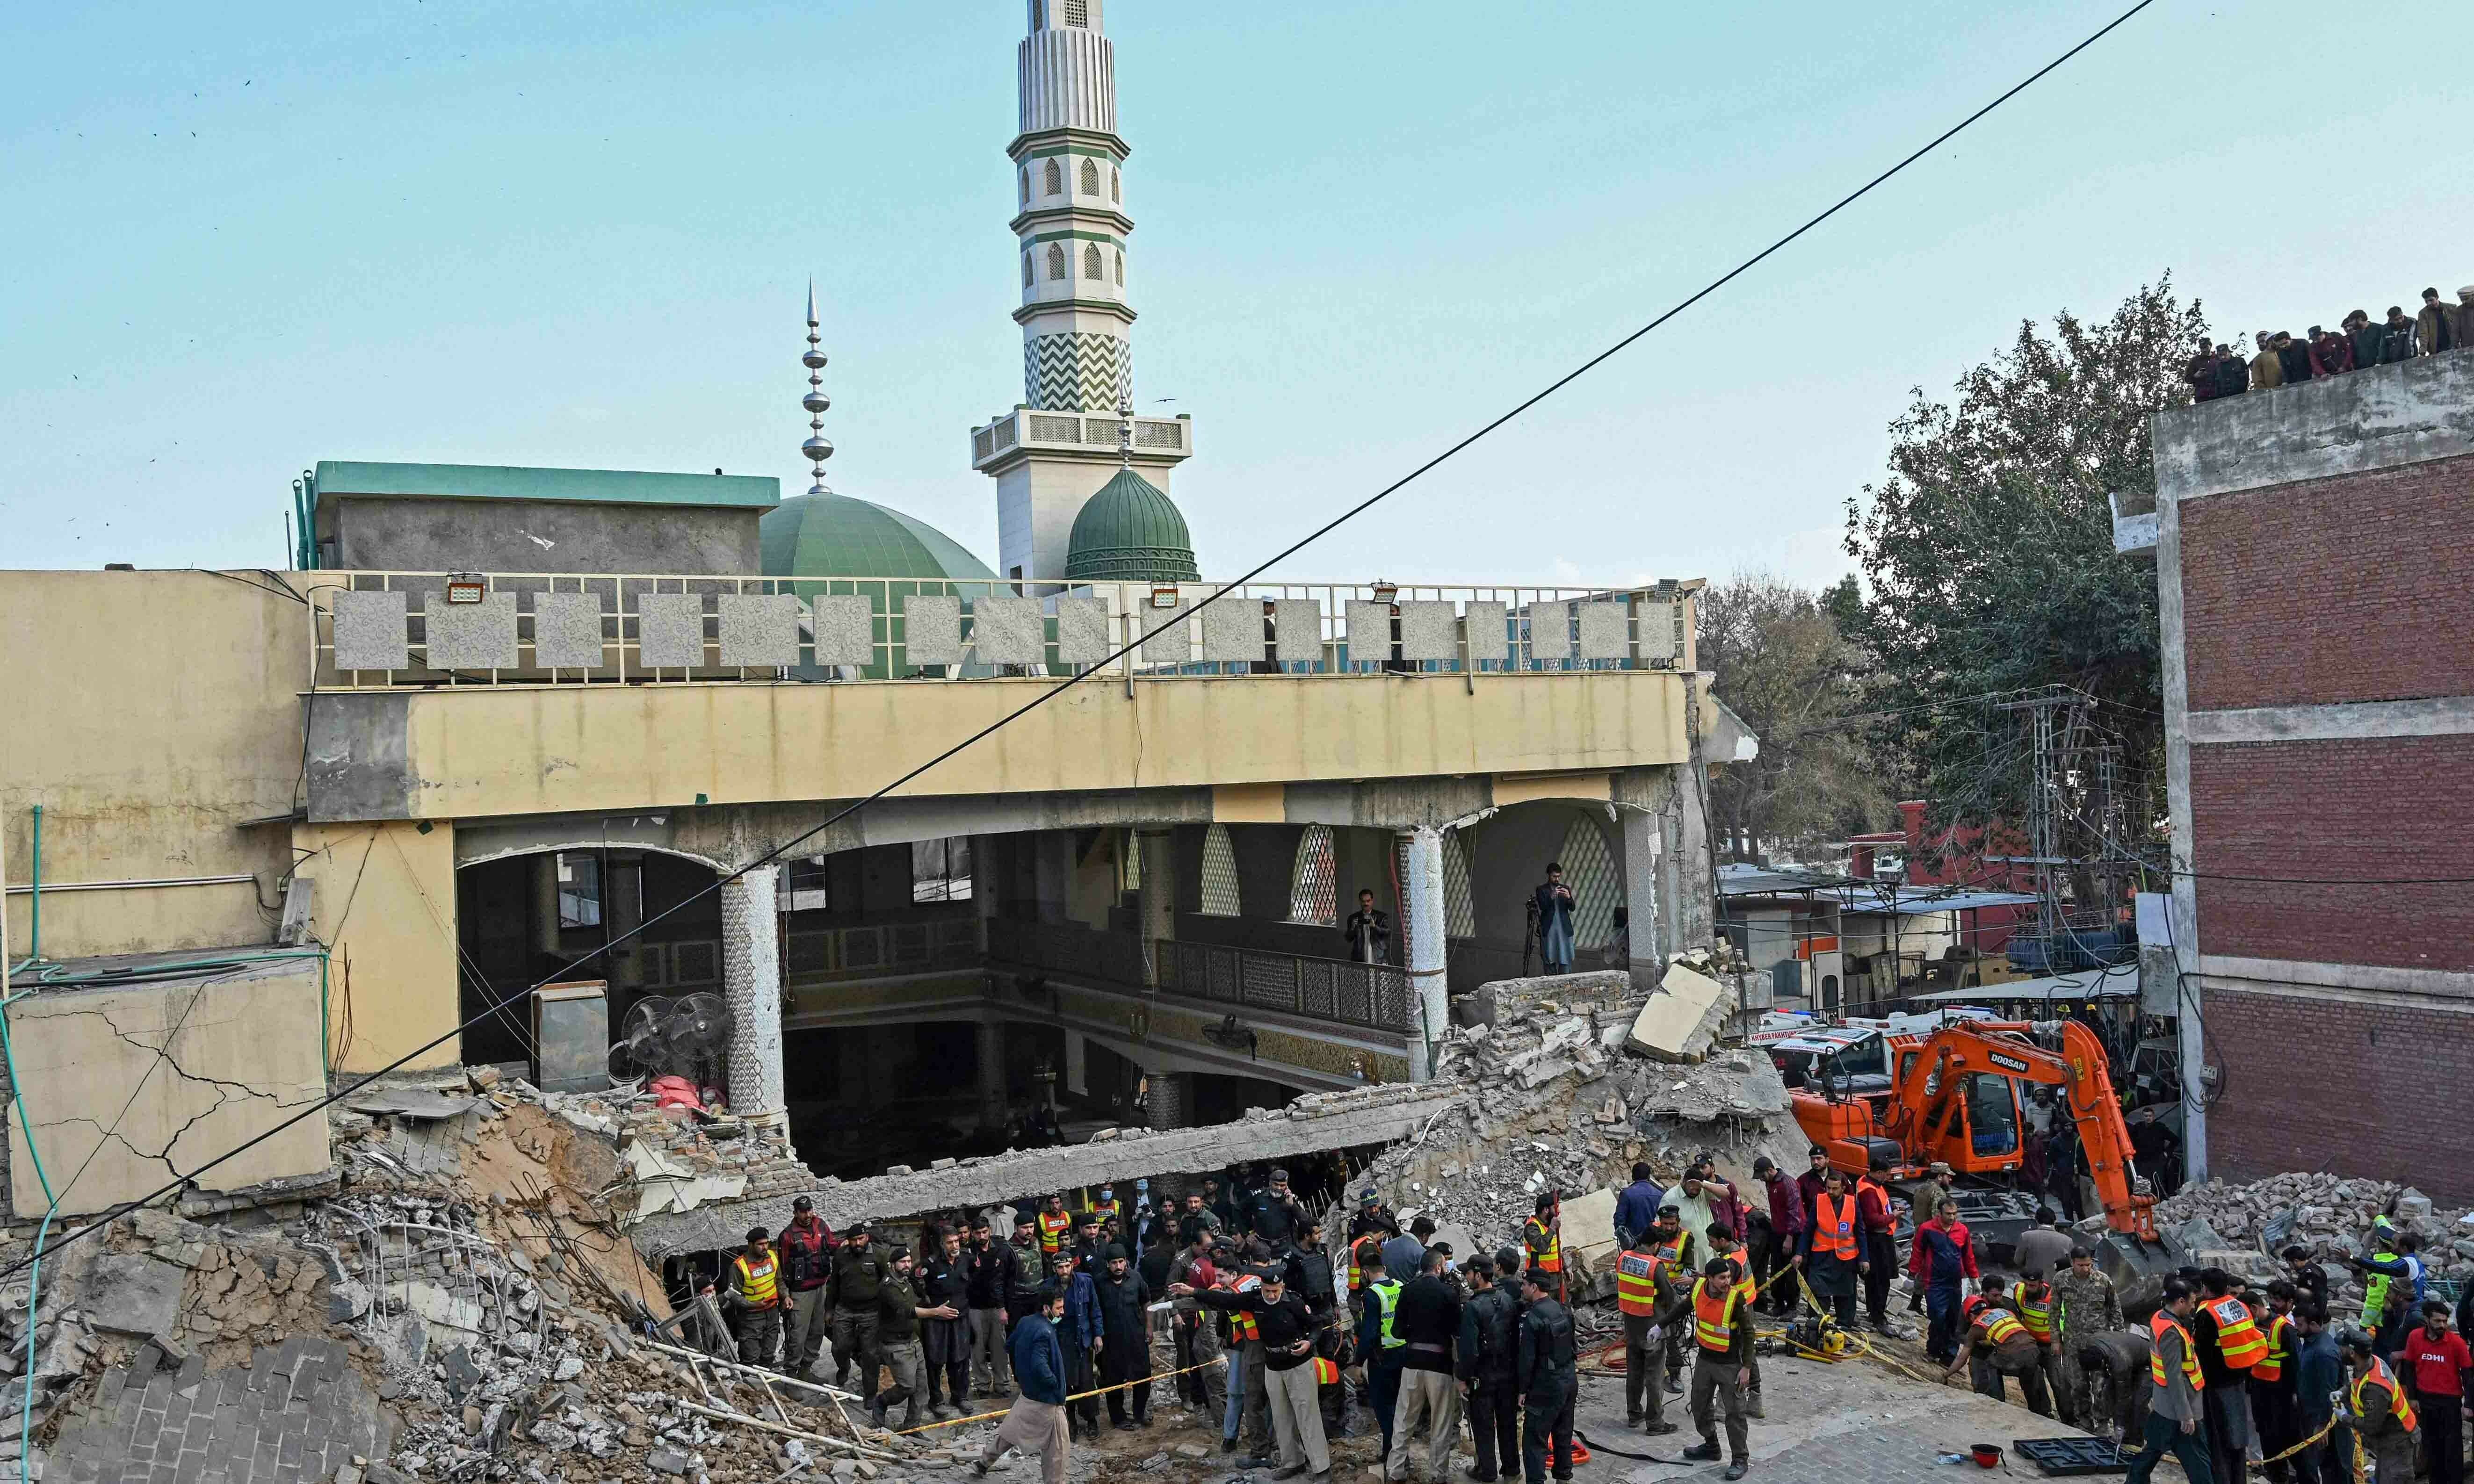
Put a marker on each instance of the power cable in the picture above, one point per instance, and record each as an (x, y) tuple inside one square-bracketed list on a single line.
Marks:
[(1320, 532)]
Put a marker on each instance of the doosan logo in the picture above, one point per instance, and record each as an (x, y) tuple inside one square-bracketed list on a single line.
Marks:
[(2005, 1063)]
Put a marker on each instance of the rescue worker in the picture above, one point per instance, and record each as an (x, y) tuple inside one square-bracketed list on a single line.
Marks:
[(1365, 1264), (2377, 1410), (2113, 1377), (1333, 1352), (2032, 1301), (2229, 1345), (1379, 1346), (1205, 1385), (1489, 1366), (1722, 1336), (756, 1298), (1249, 1402), (1670, 1249), (1542, 1237), (1054, 1226), (1643, 1289), (860, 1272), (1724, 1242), (1549, 1382), (2088, 1307), (1832, 1256), (807, 1248), (1940, 1260), (1880, 1244), (1035, 1422), (2392, 1283), (2273, 1398), (2176, 1389), (898, 1340), (1106, 1207), (1996, 1345)]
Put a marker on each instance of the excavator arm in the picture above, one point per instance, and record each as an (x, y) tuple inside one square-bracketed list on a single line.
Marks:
[(2078, 1068)]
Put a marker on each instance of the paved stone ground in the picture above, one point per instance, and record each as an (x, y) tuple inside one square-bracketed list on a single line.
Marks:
[(297, 1413), (1849, 1422)]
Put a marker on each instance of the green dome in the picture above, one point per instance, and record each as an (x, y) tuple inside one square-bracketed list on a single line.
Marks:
[(835, 536), (1131, 532)]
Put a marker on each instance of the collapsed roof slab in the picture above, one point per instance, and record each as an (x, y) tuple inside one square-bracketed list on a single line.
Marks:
[(1322, 1121)]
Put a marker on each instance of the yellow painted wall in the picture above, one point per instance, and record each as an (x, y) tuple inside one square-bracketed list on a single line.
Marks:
[(386, 909), (520, 749), (150, 713)]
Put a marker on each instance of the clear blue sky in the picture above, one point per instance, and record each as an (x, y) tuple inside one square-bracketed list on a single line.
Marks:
[(242, 238)]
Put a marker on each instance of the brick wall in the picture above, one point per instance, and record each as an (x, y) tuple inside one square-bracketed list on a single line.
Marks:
[(2377, 807), (2359, 587), (2386, 1091)]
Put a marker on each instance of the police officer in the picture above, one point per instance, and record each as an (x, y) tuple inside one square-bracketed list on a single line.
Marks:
[(1549, 1382), (1488, 1362)]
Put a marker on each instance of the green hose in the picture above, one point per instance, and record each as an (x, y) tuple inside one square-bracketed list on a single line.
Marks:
[(52, 1203)]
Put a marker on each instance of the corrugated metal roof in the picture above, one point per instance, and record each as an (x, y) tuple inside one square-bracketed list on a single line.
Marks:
[(2118, 982)]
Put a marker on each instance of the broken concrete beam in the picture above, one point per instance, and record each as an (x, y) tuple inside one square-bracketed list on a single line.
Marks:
[(1680, 1022), (133, 1294), (1507, 999)]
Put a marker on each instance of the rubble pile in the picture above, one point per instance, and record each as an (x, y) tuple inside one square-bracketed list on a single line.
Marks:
[(2330, 1214), (1567, 1098)]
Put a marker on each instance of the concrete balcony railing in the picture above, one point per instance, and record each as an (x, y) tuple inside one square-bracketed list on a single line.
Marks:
[(381, 630), (1029, 429), (1365, 996)]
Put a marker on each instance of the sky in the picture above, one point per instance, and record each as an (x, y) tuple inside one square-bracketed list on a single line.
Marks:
[(243, 238)]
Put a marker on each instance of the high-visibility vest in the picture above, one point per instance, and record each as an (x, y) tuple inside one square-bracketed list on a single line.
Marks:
[(1052, 1227), (1103, 1209), (2001, 1326), (1835, 1233), (2375, 1292), (1865, 1183), (1387, 1293), (2280, 1344), (1241, 1324), (1743, 1267), (2157, 1326), (1670, 1257), (1636, 1283), (1326, 1373), (2038, 1317), (2238, 1339), (756, 1280), (1546, 1248), (2399, 1403), (1713, 1316)]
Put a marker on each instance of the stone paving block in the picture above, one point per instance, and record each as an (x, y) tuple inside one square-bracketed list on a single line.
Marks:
[(843, 627), (371, 631), (470, 635), (1082, 631), (1606, 631), (1488, 629), (670, 629), (1296, 631), (1427, 631), (759, 627)]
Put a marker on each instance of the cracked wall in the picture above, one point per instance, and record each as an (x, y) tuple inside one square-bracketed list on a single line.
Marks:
[(129, 1089)]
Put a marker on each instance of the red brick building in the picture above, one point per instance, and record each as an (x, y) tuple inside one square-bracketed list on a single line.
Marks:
[(1955, 856), (2314, 565)]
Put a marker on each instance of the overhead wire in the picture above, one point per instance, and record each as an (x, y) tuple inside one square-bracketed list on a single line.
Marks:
[(1326, 528)]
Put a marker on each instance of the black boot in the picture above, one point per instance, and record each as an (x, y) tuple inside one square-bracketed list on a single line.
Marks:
[(1703, 1452)]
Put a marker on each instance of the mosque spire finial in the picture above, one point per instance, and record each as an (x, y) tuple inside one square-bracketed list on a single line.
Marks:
[(1125, 429), (817, 448)]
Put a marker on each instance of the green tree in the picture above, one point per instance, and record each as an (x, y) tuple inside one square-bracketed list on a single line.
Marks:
[(1778, 661), (1988, 560)]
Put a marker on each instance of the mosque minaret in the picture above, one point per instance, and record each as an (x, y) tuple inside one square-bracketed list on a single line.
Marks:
[(1060, 444)]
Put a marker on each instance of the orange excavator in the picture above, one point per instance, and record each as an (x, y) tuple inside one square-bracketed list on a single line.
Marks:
[(1952, 1097)]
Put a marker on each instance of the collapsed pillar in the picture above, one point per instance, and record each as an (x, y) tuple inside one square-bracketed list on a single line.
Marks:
[(751, 981), (1422, 909)]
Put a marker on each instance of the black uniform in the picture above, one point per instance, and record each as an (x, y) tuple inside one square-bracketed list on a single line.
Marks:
[(1548, 1385), (1127, 1355), (1489, 1335)]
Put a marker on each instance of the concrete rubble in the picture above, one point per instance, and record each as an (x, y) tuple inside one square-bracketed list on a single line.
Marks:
[(2327, 1213)]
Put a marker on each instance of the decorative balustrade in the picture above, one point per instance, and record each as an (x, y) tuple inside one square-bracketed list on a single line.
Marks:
[(431, 629), (1369, 996)]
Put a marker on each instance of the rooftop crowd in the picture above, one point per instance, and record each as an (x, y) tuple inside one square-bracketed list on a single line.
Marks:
[(2358, 343)]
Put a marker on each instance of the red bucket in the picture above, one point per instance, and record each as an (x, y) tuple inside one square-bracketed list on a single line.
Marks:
[(1987, 1455)]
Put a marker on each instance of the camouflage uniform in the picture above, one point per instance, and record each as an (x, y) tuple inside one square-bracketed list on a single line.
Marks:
[(2086, 1308)]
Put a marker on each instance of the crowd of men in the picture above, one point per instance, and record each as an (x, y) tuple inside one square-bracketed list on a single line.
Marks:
[(2358, 342)]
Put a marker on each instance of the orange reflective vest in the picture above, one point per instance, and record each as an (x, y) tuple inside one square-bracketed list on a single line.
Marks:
[(1241, 1324), (1366, 1257), (2280, 1345), (1670, 1257), (756, 1280), (2398, 1402), (1713, 1316), (1636, 1283), (2159, 1326), (1835, 1229), (2038, 1317), (1325, 1372), (1103, 1209), (1865, 1183), (2001, 1326), (1546, 1248), (2238, 1339), (1052, 1227)]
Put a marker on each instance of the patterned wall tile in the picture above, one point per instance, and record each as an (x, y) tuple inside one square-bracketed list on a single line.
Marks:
[(845, 629), (567, 630), (1427, 631), (1008, 631), (369, 629), (670, 629), (1296, 629), (1082, 631), (759, 627), (471, 635), (931, 629)]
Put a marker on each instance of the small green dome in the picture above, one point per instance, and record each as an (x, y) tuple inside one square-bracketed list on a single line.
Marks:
[(1131, 532), (835, 535)]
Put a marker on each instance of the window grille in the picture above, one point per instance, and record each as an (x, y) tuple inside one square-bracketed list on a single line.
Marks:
[(1130, 852), (1116, 186), (1091, 268), (1026, 270), (1590, 871), (1053, 178), (1314, 886), (1055, 261), (1459, 906), (1090, 177), (1121, 270), (1025, 173), (1078, 13), (1218, 873)]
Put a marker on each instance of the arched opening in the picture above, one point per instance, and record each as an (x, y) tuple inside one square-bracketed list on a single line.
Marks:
[(1115, 188), (1314, 885), (1026, 270), (1053, 178), (1091, 268), (1025, 175), (1055, 262), (1218, 873), (1090, 177), (1120, 269), (1830, 993)]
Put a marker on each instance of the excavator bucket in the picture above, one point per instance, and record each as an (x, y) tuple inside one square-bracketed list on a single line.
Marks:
[(2128, 1259)]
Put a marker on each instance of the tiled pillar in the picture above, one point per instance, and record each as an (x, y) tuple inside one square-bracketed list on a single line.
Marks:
[(1171, 1106), (751, 980), (1430, 992), (1644, 846)]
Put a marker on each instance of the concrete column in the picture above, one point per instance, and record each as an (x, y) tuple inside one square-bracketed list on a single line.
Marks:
[(1053, 866), (1696, 906), (1172, 1099), (751, 980), (989, 1049), (546, 902), (1158, 896), (985, 890), (1645, 844), (622, 911), (1429, 987)]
